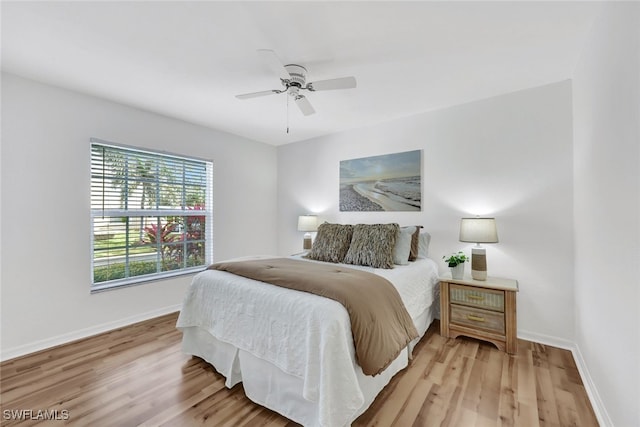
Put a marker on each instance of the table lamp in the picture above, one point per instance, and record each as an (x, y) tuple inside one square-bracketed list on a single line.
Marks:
[(478, 230), (307, 223)]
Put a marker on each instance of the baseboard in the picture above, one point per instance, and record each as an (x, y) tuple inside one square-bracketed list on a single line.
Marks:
[(592, 392), (23, 350), (596, 402), (546, 340)]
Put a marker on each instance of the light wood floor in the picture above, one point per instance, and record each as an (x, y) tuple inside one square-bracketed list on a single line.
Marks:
[(137, 375)]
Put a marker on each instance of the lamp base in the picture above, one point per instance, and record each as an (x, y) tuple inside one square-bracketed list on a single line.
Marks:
[(479, 263), (306, 243)]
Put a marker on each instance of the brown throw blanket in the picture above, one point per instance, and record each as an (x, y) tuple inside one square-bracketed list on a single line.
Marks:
[(380, 324)]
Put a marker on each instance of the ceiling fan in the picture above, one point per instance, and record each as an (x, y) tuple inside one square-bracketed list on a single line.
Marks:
[(293, 78)]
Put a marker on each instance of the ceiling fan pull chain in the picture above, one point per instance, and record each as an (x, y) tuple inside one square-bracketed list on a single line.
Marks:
[(287, 113)]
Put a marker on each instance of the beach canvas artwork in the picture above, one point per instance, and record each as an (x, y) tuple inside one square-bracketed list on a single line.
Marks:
[(391, 182)]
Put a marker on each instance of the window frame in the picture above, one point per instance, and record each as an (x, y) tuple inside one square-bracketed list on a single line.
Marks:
[(157, 212)]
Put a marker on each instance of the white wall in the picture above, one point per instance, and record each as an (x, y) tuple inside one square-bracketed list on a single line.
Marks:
[(606, 89), (45, 245), (508, 156)]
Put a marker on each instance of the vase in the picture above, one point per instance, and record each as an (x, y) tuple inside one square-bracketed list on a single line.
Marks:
[(457, 272)]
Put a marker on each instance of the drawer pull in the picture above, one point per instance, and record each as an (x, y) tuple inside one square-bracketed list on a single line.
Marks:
[(476, 318), (475, 297)]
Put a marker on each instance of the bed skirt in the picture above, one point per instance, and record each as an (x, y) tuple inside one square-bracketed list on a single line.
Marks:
[(269, 386)]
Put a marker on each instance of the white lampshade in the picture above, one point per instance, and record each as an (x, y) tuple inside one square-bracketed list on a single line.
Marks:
[(307, 223), (478, 230)]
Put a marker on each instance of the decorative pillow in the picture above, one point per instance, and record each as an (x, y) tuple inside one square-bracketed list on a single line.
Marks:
[(402, 250), (332, 242), (413, 254), (372, 245), (423, 244)]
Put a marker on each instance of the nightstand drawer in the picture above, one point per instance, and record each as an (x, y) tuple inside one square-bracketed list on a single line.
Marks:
[(477, 318), (477, 297)]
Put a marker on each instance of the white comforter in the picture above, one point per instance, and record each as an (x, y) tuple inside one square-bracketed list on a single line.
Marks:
[(305, 335)]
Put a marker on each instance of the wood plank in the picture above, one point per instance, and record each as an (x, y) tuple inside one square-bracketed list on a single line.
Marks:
[(137, 375), (508, 392)]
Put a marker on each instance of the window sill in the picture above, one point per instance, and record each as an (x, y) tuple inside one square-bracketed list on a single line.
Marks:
[(141, 280)]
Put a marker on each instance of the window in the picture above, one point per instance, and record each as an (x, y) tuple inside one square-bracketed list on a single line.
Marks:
[(151, 215)]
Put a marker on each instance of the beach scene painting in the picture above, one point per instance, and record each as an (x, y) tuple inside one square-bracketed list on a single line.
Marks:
[(391, 182)]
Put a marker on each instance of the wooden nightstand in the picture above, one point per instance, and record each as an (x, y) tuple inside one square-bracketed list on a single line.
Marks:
[(483, 309)]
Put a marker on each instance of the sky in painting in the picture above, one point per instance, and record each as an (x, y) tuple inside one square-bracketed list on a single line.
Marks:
[(396, 165)]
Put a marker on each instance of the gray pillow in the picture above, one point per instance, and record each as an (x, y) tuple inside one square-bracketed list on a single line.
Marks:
[(372, 245), (332, 242)]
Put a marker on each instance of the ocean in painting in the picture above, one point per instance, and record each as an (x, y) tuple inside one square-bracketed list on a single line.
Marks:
[(392, 182)]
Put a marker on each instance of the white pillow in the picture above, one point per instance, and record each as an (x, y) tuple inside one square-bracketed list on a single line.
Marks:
[(423, 244), (403, 245)]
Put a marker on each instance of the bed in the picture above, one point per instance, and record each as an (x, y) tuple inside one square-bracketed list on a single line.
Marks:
[(294, 351)]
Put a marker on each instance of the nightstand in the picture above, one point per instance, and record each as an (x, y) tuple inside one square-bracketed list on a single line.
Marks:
[(483, 309)]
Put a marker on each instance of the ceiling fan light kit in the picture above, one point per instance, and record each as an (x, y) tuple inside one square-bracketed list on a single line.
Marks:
[(293, 78)]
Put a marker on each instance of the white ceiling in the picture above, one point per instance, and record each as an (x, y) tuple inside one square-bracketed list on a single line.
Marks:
[(188, 59)]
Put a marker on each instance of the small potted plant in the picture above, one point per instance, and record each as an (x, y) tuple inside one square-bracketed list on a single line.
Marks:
[(456, 264)]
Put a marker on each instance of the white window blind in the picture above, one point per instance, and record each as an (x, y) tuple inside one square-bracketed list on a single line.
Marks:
[(151, 215)]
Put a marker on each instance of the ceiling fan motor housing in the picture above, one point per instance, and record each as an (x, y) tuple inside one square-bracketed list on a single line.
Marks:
[(298, 75)]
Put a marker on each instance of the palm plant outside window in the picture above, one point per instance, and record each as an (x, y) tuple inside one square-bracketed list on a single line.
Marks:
[(151, 215)]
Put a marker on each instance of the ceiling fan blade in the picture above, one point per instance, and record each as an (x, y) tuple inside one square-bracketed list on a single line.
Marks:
[(340, 83), (271, 59), (257, 94), (304, 105)]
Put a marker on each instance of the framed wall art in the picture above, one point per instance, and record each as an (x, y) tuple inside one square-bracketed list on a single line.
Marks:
[(391, 182)]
